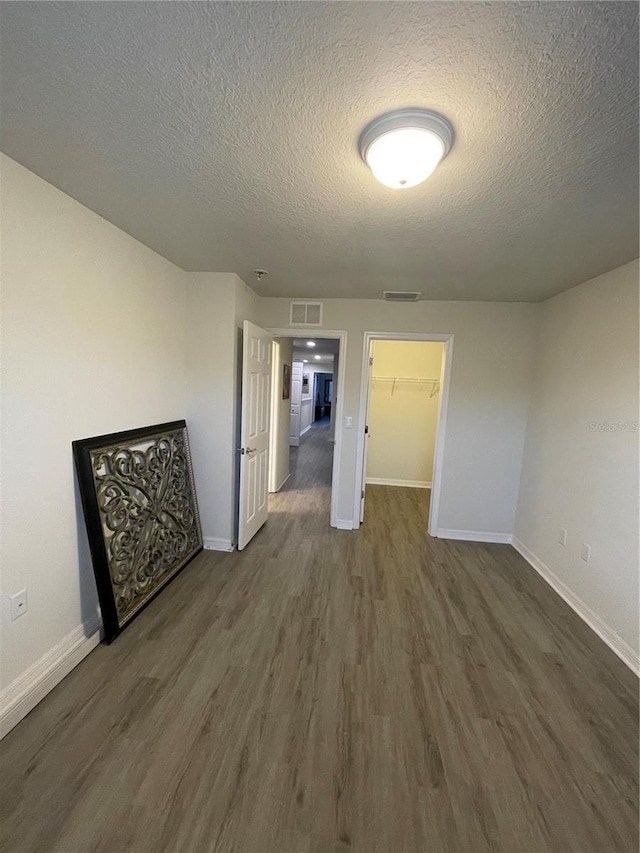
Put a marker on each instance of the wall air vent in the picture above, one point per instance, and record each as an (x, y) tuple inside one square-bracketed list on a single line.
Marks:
[(401, 295), (305, 314)]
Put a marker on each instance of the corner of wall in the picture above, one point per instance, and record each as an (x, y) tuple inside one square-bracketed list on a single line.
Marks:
[(211, 309), (531, 385), (580, 462)]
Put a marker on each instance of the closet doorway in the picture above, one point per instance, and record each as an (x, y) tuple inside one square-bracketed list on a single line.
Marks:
[(405, 391)]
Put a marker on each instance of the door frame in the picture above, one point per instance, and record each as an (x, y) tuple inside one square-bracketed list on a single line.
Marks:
[(443, 406), (341, 336)]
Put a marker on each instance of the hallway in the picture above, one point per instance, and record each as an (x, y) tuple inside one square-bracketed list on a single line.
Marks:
[(308, 490), (328, 690)]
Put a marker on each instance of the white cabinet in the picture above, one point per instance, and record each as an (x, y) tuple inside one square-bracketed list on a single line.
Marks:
[(306, 414)]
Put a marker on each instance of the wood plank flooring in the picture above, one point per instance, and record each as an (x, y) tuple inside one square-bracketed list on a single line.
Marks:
[(333, 691)]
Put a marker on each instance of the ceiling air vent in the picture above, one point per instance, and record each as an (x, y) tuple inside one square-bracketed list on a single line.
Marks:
[(401, 295), (305, 314)]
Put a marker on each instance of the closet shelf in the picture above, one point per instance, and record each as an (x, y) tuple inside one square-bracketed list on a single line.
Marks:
[(409, 380)]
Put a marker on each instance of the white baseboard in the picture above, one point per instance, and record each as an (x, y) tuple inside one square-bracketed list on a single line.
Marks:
[(608, 635), (407, 484), (277, 488), (344, 524), (306, 429), (284, 481), (475, 536), (23, 694), (212, 544), (294, 442)]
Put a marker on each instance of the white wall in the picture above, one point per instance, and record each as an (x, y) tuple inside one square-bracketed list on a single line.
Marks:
[(217, 305), (490, 385), (93, 342), (211, 365), (281, 417), (403, 417), (580, 467)]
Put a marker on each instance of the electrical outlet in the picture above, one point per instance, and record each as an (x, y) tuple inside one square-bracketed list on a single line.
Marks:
[(18, 604), (562, 536), (585, 552)]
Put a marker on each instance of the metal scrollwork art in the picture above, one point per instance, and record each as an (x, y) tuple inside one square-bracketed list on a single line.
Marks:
[(140, 508)]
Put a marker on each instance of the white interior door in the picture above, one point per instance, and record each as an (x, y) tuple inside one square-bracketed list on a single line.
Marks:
[(296, 404), (254, 431), (363, 488)]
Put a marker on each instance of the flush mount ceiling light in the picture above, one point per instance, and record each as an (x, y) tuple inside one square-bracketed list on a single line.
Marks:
[(317, 357), (402, 148), (311, 343)]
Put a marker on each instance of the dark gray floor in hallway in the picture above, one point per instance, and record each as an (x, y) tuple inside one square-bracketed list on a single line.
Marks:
[(331, 690)]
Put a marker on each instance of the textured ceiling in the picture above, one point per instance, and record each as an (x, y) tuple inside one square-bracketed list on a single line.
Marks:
[(224, 136)]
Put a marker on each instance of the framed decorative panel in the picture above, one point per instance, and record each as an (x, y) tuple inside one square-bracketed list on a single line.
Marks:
[(286, 381), (139, 501)]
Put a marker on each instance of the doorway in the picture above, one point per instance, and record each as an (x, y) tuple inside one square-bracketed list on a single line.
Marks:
[(404, 402), (303, 423), (315, 360), (322, 396)]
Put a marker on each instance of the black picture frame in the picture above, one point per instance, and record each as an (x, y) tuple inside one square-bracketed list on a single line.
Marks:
[(286, 381), (179, 516)]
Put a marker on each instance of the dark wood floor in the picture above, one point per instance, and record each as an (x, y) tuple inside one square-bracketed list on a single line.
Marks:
[(328, 690)]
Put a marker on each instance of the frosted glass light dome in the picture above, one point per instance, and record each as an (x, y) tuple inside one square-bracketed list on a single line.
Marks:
[(404, 147)]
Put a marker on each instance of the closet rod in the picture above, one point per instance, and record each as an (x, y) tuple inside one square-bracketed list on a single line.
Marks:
[(411, 380)]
